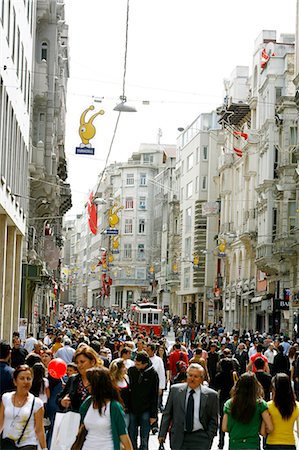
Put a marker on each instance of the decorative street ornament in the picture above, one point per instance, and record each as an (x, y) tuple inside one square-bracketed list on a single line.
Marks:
[(222, 247), (264, 59), (238, 152), (87, 131), (243, 135), (92, 214), (195, 261), (115, 244), (113, 218)]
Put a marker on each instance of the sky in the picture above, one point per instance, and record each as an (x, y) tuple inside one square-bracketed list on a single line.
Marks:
[(178, 54)]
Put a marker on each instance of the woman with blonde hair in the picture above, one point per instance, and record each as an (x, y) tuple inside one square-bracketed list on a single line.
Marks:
[(118, 373), (76, 388)]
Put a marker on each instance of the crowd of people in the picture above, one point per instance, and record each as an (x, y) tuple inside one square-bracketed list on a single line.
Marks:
[(243, 384)]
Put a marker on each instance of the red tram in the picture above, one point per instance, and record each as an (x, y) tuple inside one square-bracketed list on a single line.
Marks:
[(147, 317)]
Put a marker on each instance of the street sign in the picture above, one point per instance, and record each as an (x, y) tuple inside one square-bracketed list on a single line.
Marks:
[(111, 231), (84, 151)]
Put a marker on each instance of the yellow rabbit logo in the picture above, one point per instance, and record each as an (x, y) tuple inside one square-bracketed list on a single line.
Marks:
[(113, 218), (87, 129)]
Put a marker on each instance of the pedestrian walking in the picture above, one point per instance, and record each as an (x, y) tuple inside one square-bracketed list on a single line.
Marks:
[(75, 390), (21, 414), (244, 413), (102, 413), (284, 410), (191, 413), (144, 387)]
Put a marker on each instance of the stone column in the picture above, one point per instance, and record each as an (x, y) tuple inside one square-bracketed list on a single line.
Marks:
[(3, 239), (17, 288), (9, 282)]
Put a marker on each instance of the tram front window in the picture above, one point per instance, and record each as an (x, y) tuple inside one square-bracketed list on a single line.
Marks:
[(144, 318), (150, 318), (156, 319)]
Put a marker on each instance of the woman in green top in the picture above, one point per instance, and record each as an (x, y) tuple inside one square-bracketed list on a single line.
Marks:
[(244, 413)]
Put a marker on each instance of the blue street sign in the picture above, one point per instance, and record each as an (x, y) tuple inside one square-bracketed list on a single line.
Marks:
[(84, 151), (111, 231)]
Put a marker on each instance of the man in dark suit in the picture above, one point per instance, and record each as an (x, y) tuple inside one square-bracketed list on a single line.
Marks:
[(191, 412)]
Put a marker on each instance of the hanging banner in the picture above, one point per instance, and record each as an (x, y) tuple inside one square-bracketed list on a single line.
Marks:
[(87, 131)]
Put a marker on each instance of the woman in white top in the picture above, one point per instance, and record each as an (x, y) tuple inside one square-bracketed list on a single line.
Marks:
[(15, 410), (103, 415)]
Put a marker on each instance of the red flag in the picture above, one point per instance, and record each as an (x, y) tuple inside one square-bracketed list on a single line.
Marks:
[(264, 59), (92, 214), (238, 152)]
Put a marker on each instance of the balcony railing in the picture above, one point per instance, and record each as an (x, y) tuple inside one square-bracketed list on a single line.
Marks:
[(225, 161)]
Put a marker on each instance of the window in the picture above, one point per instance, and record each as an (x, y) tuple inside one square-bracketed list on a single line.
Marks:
[(22, 65), (197, 155), (128, 226), (140, 252), (196, 184), (189, 189), (292, 216), (190, 161), (3, 12), (140, 273), (44, 51), (13, 34), (25, 80), (141, 228), (18, 52), (204, 183), (143, 179), (130, 179), (188, 248), (129, 203), (142, 203), (205, 153), (128, 251), (293, 136), (148, 158), (278, 93), (188, 219), (187, 278), (8, 22)]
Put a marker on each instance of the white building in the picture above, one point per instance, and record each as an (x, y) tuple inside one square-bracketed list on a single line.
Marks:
[(17, 28), (197, 154)]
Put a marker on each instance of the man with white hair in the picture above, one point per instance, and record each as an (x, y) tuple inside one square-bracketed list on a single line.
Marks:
[(66, 352)]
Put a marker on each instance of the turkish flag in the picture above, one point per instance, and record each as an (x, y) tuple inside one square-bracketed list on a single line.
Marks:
[(92, 214), (238, 152)]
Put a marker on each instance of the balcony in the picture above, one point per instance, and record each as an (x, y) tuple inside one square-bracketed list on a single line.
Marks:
[(225, 161), (130, 282), (264, 258), (284, 246)]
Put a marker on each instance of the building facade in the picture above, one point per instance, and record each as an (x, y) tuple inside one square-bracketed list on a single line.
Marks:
[(17, 38)]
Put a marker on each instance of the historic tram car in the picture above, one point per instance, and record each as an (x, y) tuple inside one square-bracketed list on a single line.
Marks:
[(147, 317)]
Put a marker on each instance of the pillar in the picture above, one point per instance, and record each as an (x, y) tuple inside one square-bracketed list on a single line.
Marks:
[(17, 287), (9, 282), (3, 243)]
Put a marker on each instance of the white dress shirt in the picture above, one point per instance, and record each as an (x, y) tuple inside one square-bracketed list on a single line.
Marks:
[(196, 396), (159, 368)]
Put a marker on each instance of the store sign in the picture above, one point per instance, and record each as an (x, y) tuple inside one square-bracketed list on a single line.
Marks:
[(283, 304)]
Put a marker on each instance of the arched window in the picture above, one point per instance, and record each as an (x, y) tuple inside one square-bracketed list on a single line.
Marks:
[(44, 51)]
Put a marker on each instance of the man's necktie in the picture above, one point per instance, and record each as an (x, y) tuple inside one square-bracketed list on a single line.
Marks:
[(190, 412)]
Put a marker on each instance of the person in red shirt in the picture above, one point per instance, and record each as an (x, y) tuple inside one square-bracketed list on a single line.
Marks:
[(251, 366), (174, 357)]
